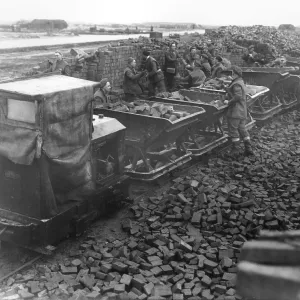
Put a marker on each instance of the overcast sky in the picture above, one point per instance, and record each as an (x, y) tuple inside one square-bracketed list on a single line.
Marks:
[(213, 12)]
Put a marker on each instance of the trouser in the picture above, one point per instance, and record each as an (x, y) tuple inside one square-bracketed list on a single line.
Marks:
[(160, 86), (237, 129), (170, 81)]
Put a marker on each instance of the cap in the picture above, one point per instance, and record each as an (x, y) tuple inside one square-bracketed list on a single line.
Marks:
[(103, 82)]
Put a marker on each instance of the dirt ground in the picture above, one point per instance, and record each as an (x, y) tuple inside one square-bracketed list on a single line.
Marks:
[(16, 64)]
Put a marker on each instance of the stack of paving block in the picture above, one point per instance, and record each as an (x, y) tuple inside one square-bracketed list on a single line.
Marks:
[(269, 267)]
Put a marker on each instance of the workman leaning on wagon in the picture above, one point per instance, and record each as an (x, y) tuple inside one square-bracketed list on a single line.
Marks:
[(101, 95), (237, 113), (156, 79), (59, 64), (131, 86), (171, 67)]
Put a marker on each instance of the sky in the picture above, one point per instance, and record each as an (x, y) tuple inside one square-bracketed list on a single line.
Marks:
[(214, 12)]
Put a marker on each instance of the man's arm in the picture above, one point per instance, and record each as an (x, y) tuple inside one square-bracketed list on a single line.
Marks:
[(170, 58), (132, 76)]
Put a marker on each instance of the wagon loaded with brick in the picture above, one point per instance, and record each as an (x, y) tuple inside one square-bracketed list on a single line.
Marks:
[(212, 102), (155, 135), (202, 138), (55, 167), (255, 95)]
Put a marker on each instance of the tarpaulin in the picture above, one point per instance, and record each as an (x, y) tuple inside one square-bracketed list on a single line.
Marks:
[(67, 137), (60, 136), (18, 144)]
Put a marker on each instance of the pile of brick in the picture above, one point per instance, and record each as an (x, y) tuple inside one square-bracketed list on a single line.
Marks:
[(184, 243), (112, 62), (157, 109)]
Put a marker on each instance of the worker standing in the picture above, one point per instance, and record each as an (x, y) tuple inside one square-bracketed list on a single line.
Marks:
[(131, 86), (171, 58), (155, 74), (237, 113)]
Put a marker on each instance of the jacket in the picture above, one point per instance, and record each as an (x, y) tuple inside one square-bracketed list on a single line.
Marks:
[(131, 81), (100, 97), (171, 59), (155, 74), (237, 105)]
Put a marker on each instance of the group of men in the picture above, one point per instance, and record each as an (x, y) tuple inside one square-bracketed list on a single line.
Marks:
[(197, 68)]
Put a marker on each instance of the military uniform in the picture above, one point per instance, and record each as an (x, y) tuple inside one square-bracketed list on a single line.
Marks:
[(237, 115)]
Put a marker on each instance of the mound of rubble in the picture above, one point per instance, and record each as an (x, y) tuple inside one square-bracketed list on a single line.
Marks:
[(185, 242)]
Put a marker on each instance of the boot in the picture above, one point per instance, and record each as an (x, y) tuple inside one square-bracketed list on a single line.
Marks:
[(235, 150), (248, 148)]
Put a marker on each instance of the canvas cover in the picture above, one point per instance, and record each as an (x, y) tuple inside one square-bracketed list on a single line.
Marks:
[(60, 137)]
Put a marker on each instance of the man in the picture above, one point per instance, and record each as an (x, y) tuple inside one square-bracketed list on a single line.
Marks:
[(195, 76), (155, 74), (205, 66), (59, 64), (237, 113), (218, 68), (101, 95), (131, 85), (189, 60), (171, 58), (250, 57)]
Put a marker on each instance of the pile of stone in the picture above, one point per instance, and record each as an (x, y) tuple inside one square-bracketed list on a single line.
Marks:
[(158, 109)]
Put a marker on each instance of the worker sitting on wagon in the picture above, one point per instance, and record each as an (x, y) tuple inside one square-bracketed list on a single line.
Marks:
[(101, 95), (237, 113), (59, 64), (131, 85), (195, 76)]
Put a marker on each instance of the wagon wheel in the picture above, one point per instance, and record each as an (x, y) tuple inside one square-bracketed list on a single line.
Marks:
[(281, 95), (263, 103)]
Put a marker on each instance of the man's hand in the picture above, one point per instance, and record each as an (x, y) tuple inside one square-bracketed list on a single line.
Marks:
[(226, 102)]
